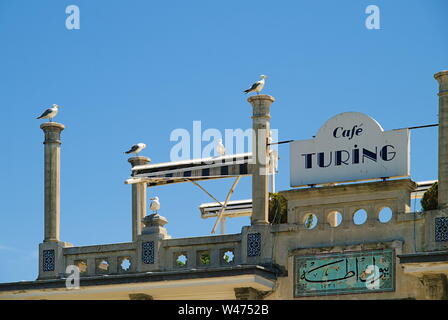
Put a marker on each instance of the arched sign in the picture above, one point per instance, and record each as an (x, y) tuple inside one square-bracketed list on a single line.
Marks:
[(351, 146)]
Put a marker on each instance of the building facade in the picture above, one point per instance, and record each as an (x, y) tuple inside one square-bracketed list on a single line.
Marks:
[(320, 252)]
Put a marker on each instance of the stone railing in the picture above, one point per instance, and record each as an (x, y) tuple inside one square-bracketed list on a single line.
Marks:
[(154, 250), (102, 259), (200, 252), (427, 231), (171, 254)]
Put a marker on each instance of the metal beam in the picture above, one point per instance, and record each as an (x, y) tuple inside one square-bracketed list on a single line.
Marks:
[(210, 195), (225, 203)]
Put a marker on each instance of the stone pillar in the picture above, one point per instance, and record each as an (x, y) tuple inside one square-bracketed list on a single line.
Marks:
[(442, 78), (150, 256), (52, 175), (260, 150), (138, 199)]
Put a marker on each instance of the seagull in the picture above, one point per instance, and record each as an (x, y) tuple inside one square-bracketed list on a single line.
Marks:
[(257, 86), (136, 148), (50, 113), (155, 204), (220, 148)]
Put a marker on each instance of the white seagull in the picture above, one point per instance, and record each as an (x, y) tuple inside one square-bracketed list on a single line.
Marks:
[(257, 86), (220, 148), (155, 204), (136, 148), (50, 113)]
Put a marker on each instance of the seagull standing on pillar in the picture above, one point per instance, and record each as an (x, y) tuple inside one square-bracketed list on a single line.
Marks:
[(257, 86), (155, 204), (136, 148), (50, 113), (220, 148)]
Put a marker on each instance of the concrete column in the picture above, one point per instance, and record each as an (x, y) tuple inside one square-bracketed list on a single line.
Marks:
[(442, 78), (52, 176), (138, 199), (260, 173), (149, 244)]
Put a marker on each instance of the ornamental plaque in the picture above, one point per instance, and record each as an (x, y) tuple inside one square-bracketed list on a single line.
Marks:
[(345, 273)]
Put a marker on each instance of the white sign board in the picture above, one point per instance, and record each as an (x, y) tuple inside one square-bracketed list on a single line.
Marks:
[(351, 146)]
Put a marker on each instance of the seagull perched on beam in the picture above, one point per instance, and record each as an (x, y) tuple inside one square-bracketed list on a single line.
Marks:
[(220, 148), (257, 86), (155, 204), (50, 113), (136, 148)]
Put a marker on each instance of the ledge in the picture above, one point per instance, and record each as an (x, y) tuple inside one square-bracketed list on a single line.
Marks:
[(186, 274), (433, 256), (345, 189), (100, 248)]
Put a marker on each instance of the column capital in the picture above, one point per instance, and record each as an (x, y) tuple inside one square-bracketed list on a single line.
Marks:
[(442, 79), (260, 97), (441, 74), (52, 126), (52, 132), (261, 105), (138, 161)]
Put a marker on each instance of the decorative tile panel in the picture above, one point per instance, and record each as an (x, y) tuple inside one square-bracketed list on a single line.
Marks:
[(148, 252), (253, 244), (345, 273), (48, 260), (441, 229)]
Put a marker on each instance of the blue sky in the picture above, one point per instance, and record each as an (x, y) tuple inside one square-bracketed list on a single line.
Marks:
[(137, 70)]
